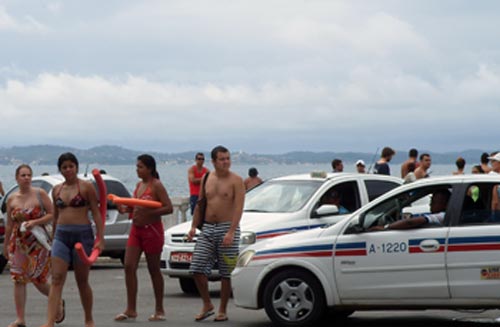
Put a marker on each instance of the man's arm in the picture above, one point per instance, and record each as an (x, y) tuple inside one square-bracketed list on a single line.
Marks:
[(239, 200)]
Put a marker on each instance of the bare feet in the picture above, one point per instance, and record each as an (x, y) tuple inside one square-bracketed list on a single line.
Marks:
[(17, 323), (89, 324)]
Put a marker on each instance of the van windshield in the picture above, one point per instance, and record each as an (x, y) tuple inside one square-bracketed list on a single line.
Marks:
[(280, 196)]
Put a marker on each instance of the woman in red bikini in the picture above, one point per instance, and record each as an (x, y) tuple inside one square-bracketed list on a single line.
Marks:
[(146, 235), (72, 201)]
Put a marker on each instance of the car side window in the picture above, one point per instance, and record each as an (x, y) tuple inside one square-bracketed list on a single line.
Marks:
[(407, 205), (376, 188), (480, 204), (344, 195)]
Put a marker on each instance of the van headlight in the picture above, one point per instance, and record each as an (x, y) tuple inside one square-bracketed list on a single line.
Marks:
[(245, 258), (247, 238)]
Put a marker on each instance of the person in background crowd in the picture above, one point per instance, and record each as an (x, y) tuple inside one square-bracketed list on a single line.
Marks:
[(146, 235), (495, 169), (484, 163), (337, 166), (73, 199), (360, 167), (477, 169), (410, 176), (195, 174), (253, 179), (29, 259), (425, 164), (412, 158), (460, 163), (2, 192), (382, 166), (220, 235)]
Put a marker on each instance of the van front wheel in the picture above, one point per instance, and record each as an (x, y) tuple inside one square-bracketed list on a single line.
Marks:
[(294, 297)]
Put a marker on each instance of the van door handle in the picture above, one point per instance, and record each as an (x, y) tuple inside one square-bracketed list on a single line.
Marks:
[(429, 245)]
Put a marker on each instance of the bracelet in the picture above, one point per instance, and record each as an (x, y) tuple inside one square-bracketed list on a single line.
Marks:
[(386, 226)]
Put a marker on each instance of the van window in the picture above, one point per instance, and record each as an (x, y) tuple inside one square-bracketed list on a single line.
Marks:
[(116, 188), (376, 188)]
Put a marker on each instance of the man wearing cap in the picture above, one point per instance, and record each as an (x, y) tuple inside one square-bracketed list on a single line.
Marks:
[(495, 169), (360, 166)]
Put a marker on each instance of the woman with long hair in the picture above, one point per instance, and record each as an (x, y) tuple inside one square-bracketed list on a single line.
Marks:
[(72, 201), (29, 259), (146, 235)]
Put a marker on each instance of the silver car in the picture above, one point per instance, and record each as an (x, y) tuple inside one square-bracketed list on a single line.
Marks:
[(117, 225)]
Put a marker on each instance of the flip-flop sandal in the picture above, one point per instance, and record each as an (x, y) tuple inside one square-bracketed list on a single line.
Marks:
[(204, 315), (221, 317), (60, 320), (156, 317), (17, 324), (123, 317)]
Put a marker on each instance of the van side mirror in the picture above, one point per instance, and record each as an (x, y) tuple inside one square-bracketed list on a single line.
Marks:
[(326, 210)]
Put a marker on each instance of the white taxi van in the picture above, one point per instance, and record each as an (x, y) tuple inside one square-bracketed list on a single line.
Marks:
[(362, 263), (281, 206)]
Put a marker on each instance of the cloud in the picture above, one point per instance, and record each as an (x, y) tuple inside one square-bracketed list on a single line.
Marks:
[(27, 24), (113, 110)]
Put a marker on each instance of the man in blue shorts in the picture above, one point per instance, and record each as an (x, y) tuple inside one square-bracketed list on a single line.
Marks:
[(220, 236)]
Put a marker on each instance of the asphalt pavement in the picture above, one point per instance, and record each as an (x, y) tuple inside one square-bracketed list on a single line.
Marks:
[(107, 280)]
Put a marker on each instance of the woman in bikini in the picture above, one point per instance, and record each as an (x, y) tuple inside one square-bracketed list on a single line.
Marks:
[(72, 200), (29, 259), (146, 235)]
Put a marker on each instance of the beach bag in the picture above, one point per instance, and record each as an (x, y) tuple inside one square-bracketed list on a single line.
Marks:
[(202, 204)]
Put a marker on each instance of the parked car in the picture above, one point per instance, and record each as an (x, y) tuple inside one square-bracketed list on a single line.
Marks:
[(281, 206), (117, 225), (349, 266)]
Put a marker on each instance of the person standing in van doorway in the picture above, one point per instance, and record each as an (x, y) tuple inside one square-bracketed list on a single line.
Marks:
[(195, 174), (220, 235)]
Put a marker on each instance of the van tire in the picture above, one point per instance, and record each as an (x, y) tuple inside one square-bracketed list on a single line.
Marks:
[(188, 286), (294, 297)]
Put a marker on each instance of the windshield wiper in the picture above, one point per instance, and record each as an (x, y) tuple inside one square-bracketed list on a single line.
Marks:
[(254, 210)]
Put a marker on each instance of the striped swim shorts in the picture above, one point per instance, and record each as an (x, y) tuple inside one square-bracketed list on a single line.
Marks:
[(209, 249)]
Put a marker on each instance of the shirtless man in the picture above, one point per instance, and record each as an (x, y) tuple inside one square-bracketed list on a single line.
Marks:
[(253, 179), (425, 164), (220, 236), (412, 158)]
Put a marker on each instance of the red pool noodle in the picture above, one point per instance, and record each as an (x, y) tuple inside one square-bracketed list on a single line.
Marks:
[(101, 186)]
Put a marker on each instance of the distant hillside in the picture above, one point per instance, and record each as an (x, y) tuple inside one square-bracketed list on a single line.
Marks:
[(115, 155)]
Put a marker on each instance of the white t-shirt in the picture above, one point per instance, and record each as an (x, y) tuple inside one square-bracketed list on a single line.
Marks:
[(435, 218)]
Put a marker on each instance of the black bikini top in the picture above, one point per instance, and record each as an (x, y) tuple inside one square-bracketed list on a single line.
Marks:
[(77, 201)]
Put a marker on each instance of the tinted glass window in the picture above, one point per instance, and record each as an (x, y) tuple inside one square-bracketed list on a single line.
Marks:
[(377, 188), (480, 205), (280, 196), (406, 205), (344, 195), (116, 188)]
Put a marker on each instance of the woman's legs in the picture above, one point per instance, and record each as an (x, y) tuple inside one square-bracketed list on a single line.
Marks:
[(86, 297), (59, 273), (153, 261), (132, 256), (20, 300)]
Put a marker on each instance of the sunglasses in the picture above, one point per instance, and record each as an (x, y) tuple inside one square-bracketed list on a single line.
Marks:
[(200, 158)]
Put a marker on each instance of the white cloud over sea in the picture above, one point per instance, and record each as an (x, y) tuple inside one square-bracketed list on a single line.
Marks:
[(259, 76)]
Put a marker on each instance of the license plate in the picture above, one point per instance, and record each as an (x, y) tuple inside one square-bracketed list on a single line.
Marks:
[(181, 257)]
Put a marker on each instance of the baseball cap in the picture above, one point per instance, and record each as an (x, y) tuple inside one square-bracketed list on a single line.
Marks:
[(496, 157), (360, 162)]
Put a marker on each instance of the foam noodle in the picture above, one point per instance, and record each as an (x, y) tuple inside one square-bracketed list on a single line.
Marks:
[(101, 186), (132, 202)]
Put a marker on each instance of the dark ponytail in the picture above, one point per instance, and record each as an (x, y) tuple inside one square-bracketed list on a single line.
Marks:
[(150, 163)]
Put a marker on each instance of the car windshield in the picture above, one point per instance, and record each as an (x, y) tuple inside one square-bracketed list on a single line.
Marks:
[(280, 196)]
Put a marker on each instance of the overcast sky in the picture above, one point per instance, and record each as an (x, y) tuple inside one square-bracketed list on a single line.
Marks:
[(264, 76)]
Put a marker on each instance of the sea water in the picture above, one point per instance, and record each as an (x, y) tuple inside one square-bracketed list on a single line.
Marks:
[(174, 176)]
